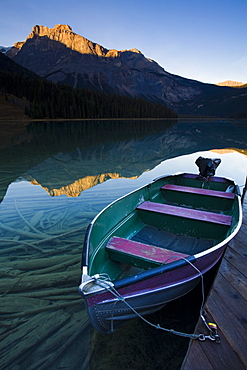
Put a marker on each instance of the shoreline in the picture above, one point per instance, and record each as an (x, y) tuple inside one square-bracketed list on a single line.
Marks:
[(28, 120)]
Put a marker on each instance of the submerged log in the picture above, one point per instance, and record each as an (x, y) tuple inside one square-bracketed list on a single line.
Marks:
[(61, 266), (14, 303), (48, 307), (49, 292), (34, 282), (40, 270), (21, 232), (29, 334), (54, 347), (32, 264)]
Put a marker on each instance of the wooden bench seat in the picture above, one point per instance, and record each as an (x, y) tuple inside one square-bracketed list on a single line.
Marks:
[(139, 254), (189, 213), (192, 190)]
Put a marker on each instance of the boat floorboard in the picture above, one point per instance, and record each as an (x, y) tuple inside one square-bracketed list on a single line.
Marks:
[(227, 307), (159, 238)]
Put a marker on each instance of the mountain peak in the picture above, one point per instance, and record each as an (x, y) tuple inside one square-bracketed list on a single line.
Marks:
[(65, 35), (230, 83), (39, 30)]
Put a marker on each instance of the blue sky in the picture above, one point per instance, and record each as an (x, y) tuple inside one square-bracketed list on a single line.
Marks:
[(205, 40)]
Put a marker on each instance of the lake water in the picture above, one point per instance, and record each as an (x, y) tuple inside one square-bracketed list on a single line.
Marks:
[(55, 177)]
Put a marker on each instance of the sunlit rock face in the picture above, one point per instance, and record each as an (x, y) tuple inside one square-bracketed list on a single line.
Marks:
[(65, 35), (230, 83)]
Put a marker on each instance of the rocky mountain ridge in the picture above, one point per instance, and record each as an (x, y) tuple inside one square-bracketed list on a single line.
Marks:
[(60, 55), (230, 83), (65, 35)]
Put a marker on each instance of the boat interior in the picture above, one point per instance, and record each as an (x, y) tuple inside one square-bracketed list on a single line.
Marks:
[(178, 216)]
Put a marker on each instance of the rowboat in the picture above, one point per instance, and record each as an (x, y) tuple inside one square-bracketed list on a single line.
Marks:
[(153, 245)]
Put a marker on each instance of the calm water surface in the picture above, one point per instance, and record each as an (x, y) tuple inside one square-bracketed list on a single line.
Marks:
[(55, 177)]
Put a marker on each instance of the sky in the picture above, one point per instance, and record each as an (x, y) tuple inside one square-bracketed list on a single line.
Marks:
[(204, 40)]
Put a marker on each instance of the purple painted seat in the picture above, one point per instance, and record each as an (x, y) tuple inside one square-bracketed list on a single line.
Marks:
[(194, 214), (191, 190), (139, 254)]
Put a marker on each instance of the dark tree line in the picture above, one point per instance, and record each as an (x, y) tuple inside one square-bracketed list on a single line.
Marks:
[(44, 99)]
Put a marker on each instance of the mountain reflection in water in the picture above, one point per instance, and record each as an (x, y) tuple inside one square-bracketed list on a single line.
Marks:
[(70, 157), (44, 323)]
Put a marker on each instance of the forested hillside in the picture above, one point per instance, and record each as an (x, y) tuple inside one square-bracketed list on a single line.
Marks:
[(44, 99)]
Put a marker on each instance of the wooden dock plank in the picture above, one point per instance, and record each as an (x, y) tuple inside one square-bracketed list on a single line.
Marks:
[(237, 259), (198, 359), (233, 276), (229, 324), (207, 356), (231, 297), (227, 307), (241, 244)]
